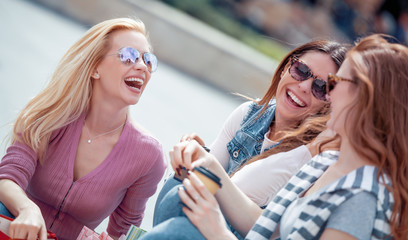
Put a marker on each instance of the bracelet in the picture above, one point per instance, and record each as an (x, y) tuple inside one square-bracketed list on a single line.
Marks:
[(206, 149)]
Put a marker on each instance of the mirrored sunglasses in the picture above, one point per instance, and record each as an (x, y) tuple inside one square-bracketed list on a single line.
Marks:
[(301, 72), (332, 81), (130, 56)]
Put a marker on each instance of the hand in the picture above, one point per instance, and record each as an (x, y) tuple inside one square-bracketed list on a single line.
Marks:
[(192, 136), (190, 154), (29, 224), (203, 209)]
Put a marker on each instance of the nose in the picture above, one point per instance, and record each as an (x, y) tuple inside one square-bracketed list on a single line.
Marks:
[(306, 85), (140, 65)]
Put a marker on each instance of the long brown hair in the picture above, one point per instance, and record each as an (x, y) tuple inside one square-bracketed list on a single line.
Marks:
[(68, 93), (315, 123), (377, 122)]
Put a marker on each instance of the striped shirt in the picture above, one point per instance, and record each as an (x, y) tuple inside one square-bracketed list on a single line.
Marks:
[(318, 210)]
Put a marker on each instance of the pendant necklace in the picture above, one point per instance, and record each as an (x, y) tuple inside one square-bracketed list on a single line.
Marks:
[(100, 135)]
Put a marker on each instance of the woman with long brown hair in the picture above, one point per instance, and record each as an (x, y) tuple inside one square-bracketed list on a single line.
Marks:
[(358, 192), (291, 114)]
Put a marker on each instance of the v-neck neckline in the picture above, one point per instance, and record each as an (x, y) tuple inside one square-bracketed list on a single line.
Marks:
[(106, 161)]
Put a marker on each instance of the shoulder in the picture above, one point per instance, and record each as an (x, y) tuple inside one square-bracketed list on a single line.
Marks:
[(137, 128), (355, 216), (143, 144), (137, 134)]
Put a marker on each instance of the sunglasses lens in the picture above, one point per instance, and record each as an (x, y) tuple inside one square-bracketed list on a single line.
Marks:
[(129, 55), (300, 71), (151, 61), (319, 89)]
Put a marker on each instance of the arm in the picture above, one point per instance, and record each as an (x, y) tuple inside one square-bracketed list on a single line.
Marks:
[(16, 169), (353, 219), (29, 221), (231, 125), (131, 209), (261, 180), (192, 154), (219, 146)]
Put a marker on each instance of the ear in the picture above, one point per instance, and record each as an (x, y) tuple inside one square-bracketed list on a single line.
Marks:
[(95, 74)]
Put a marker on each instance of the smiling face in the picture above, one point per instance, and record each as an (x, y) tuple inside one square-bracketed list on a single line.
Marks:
[(119, 83), (341, 97), (294, 99)]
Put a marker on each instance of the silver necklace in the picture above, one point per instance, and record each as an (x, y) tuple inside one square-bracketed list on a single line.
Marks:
[(100, 135)]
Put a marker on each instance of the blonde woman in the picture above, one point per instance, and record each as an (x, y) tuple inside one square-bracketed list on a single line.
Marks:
[(75, 157)]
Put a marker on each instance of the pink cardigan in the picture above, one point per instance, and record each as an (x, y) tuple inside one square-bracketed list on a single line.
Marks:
[(119, 186)]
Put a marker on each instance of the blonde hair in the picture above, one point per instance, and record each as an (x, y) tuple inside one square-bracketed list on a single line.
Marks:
[(69, 91), (377, 122)]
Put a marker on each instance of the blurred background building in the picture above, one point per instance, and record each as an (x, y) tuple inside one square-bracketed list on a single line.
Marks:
[(292, 21), (238, 42)]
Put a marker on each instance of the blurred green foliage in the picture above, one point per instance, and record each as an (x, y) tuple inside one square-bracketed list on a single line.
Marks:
[(225, 21)]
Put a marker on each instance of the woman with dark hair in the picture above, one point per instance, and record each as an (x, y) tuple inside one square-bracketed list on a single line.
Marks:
[(358, 192), (292, 113)]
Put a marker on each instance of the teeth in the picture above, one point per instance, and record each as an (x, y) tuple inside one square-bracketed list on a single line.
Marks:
[(295, 99), (135, 80)]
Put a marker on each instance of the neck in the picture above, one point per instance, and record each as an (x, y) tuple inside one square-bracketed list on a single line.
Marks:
[(102, 117), (349, 159), (277, 127)]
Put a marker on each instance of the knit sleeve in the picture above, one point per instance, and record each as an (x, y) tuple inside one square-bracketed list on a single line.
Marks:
[(131, 209), (18, 164)]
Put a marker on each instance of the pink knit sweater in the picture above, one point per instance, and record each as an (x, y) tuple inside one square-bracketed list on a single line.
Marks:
[(119, 186)]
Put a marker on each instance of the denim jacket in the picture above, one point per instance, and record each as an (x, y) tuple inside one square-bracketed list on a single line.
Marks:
[(248, 140)]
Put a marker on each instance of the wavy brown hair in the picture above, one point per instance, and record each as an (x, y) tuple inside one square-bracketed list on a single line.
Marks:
[(308, 128), (68, 93), (377, 120)]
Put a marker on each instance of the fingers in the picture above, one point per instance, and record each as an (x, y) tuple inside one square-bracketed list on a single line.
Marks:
[(184, 153), (29, 232), (192, 136), (194, 191), (43, 234), (200, 187), (176, 155), (29, 224)]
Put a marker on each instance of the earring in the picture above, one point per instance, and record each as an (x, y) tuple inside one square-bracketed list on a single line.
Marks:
[(95, 75)]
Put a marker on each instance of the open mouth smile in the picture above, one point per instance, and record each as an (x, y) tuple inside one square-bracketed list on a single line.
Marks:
[(135, 83), (292, 97)]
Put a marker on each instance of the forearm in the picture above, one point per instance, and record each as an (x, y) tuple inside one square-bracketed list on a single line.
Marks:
[(14, 198), (240, 211)]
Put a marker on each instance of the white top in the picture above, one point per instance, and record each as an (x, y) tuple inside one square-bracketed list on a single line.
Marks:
[(260, 180)]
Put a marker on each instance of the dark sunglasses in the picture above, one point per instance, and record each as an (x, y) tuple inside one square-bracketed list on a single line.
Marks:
[(332, 81), (301, 72), (130, 56)]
